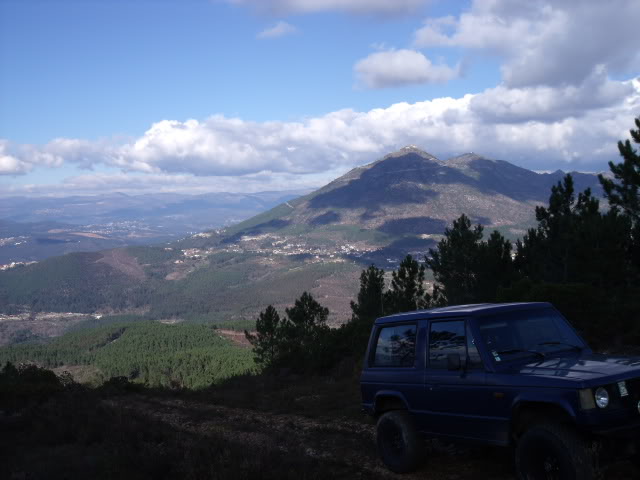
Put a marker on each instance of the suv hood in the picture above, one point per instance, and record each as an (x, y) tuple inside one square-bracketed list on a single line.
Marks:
[(589, 368)]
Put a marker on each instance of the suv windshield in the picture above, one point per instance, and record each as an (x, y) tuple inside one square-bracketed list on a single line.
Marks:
[(527, 333)]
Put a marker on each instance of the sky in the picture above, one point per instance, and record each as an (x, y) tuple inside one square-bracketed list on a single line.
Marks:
[(194, 96)]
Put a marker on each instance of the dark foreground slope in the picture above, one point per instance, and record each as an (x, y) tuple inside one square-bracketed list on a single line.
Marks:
[(249, 428)]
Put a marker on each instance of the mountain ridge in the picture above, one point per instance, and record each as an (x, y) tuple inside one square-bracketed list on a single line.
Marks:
[(383, 190), (319, 242)]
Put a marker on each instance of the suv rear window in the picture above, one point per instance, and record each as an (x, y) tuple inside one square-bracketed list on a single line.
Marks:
[(396, 346)]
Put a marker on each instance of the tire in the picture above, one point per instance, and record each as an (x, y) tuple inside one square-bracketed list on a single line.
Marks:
[(554, 452), (400, 446)]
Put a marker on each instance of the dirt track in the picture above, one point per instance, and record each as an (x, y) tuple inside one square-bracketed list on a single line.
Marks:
[(236, 337), (347, 445)]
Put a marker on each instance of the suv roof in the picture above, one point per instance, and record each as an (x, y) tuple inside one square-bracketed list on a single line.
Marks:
[(462, 310)]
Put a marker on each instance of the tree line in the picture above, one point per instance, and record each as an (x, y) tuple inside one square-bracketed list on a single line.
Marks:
[(582, 256)]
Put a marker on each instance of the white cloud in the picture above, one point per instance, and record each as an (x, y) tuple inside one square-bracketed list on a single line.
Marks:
[(503, 124), (544, 103), (280, 29), (11, 166), (393, 68), (367, 7), (19, 160), (545, 42)]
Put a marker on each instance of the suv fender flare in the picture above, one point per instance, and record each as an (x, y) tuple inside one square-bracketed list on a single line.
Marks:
[(386, 400), (529, 408)]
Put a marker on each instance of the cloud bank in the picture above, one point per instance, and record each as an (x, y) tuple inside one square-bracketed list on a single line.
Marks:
[(539, 129), (560, 104), (552, 43)]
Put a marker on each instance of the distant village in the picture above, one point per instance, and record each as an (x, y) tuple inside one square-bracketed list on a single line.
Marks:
[(266, 244), (271, 244), (7, 266)]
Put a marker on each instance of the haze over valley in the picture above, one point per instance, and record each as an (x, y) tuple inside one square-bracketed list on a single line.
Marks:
[(34, 228)]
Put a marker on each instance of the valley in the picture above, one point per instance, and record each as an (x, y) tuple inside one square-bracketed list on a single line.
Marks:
[(105, 221)]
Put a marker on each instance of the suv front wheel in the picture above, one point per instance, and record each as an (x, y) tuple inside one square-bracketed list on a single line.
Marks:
[(554, 452), (399, 444)]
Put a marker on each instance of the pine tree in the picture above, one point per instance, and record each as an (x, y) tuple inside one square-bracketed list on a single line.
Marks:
[(556, 230), (352, 337), (407, 291), (625, 194), (582, 260), (369, 304), (495, 267), (266, 341), (454, 261), (305, 344), (306, 316), (575, 242)]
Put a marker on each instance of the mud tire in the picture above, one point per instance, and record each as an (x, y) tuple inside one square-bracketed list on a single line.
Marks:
[(400, 446), (550, 451)]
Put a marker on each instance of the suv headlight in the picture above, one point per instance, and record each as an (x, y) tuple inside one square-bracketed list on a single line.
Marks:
[(602, 397)]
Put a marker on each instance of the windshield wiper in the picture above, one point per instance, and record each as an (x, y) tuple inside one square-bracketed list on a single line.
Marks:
[(520, 350), (575, 347)]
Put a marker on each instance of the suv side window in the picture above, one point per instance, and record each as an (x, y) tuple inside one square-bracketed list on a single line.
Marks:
[(396, 346), (446, 338), (452, 337)]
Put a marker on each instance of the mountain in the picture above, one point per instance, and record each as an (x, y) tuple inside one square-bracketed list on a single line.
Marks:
[(91, 223), (318, 242), (410, 192)]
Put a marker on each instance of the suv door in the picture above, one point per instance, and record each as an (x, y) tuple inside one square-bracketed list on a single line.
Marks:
[(395, 364), (457, 400)]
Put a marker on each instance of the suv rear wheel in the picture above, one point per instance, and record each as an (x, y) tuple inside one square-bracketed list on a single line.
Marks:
[(399, 444), (554, 452)]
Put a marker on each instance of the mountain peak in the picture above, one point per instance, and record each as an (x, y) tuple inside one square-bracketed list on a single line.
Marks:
[(409, 149), (465, 158)]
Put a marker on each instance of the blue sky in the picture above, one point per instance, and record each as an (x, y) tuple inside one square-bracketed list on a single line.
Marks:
[(251, 95)]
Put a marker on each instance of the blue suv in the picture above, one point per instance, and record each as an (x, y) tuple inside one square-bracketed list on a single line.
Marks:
[(503, 374)]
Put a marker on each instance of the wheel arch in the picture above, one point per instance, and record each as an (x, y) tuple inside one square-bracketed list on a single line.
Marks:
[(528, 412), (387, 400)]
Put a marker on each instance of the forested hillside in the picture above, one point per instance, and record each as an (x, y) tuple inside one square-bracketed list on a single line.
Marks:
[(61, 284), (189, 356)]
